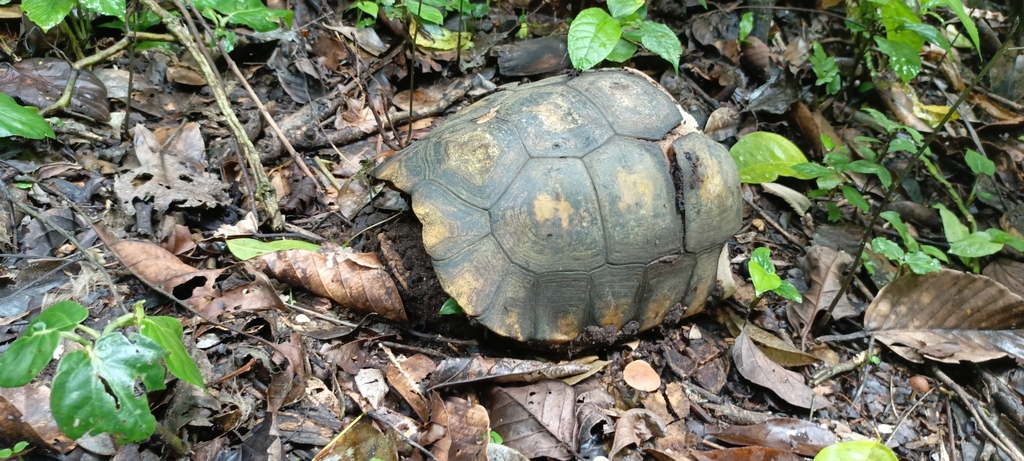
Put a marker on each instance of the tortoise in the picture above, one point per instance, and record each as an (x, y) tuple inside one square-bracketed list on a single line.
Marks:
[(550, 207)]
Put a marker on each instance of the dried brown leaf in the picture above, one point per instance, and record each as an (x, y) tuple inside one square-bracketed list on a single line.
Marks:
[(824, 268), (776, 349), (789, 434), (467, 427), (948, 316), (359, 442), (746, 454), (1008, 272), (355, 280), (635, 427), (538, 420), (461, 370), (41, 81), (406, 375), (759, 369)]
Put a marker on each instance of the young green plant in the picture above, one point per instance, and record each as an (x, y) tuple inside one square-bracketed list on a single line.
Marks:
[(596, 35), (95, 389), (765, 280)]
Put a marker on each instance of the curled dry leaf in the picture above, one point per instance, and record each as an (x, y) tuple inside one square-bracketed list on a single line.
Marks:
[(635, 427), (824, 268), (789, 434), (948, 316), (798, 201), (745, 453), (41, 81), (357, 281), (760, 370), (538, 420), (756, 57), (159, 268), (776, 349), (466, 427), (27, 417), (461, 370), (406, 375), (1008, 272), (359, 442), (372, 386), (641, 376)]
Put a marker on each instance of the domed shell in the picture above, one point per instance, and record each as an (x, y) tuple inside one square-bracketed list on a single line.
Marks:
[(549, 207)]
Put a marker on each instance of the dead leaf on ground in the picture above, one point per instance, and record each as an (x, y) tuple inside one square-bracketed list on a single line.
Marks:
[(776, 349), (641, 376), (27, 417), (359, 442), (357, 281), (538, 420), (760, 370), (1008, 272), (467, 427), (745, 454), (462, 370), (406, 375), (824, 268), (948, 316), (169, 177), (40, 82), (593, 422), (372, 386), (789, 434), (635, 427)]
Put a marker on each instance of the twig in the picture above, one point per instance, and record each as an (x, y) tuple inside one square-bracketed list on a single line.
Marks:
[(987, 427), (771, 221)]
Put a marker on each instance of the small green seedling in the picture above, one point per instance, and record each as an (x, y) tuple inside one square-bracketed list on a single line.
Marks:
[(825, 69), (970, 246), (16, 450), (451, 307), (762, 274), (96, 388), (596, 35), (919, 259)]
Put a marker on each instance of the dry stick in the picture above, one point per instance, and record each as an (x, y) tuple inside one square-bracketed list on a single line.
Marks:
[(848, 277), (265, 193), (990, 430), (769, 220), (263, 109)]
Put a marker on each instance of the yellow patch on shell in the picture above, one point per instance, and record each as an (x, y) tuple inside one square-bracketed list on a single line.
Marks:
[(472, 155), (636, 193), (556, 117), (546, 207)]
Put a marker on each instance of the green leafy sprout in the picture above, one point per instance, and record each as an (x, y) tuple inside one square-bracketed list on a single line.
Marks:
[(764, 278), (95, 389), (596, 35)]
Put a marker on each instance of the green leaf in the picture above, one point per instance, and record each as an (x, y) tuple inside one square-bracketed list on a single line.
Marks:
[(979, 163), (833, 212), (114, 8), (812, 170), (951, 226), (496, 438), (247, 248), (370, 8), (903, 58), (746, 25), (662, 41), (451, 307), (80, 401), (856, 450), (622, 51), (788, 291), (935, 253), (251, 13), (975, 245), (592, 36), (22, 121), (621, 8), (921, 264), (762, 157), (999, 236), (887, 248), (889, 125), (30, 353), (901, 228), (825, 68), (47, 13), (762, 271), (929, 32), (902, 145), (426, 13), (167, 332), (972, 30), (866, 167), (856, 199)]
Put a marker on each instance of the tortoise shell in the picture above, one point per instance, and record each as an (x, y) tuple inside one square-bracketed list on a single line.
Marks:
[(550, 207)]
